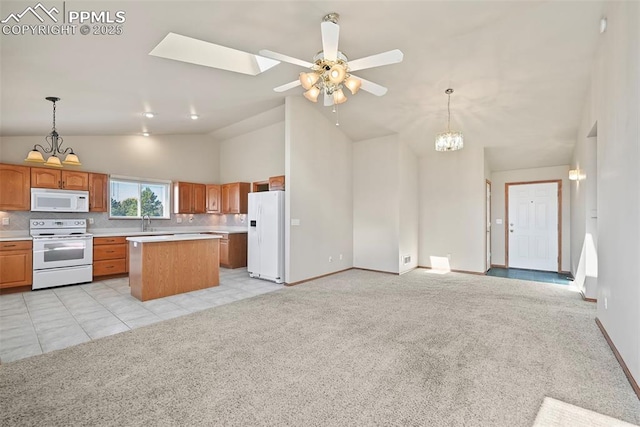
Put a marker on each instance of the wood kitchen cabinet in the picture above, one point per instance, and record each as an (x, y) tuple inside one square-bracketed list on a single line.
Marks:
[(235, 198), (276, 183), (54, 178), (213, 198), (110, 256), (233, 250), (189, 197), (16, 263), (15, 184), (98, 192)]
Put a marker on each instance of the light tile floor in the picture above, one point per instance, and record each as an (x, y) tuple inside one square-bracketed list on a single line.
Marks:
[(37, 322)]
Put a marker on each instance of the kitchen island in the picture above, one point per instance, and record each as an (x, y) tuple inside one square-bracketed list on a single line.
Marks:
[(161, 266)]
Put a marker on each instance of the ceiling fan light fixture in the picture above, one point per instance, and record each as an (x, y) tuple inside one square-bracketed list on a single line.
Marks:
[(307, 80), (337, 74), (339, 97), (312, 94), (353, 84)]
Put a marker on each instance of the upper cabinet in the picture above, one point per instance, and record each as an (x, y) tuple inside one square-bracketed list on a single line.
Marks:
[(235, 198), (276, 183), (189, 197), (98, 192), (14, 188), (214, 204), (53, 178)]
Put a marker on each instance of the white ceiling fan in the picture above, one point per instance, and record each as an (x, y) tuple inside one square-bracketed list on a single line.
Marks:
[(329, 72)]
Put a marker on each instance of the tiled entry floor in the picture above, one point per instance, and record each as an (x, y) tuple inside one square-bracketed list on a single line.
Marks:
[(533, 275), (50, 319)]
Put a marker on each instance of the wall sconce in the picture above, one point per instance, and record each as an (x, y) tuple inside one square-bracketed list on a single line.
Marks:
[(576, 175)]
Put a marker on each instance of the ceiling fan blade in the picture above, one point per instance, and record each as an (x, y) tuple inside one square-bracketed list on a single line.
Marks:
[(284, 58), (385, 58), (330, 34), (186, 49), (328, 100), (287, 86), (371, 87)]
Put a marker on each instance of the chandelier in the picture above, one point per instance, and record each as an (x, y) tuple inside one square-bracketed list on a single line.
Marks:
[(55, 142), (329, 77), (449, 141)]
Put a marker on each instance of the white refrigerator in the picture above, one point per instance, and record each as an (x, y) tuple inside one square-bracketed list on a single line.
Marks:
[(265, 257)]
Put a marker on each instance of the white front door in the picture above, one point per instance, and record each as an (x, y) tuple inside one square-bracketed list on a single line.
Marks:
[(533, 226)]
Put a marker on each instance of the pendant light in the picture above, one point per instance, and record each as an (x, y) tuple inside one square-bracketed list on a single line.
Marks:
[(54, 142), (449, 140)]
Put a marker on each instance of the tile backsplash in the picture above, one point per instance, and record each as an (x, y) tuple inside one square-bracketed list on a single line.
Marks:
[(19, 220)]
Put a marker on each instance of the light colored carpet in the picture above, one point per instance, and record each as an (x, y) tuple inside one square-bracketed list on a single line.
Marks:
[(554, 413), (357, 348)]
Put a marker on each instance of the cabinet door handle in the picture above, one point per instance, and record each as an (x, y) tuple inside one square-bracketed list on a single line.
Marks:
[(8, 246), (59, 184), (109, 266), (110, 252)]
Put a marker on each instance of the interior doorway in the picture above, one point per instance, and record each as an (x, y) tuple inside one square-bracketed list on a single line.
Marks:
[(533, 237), (487, 218)]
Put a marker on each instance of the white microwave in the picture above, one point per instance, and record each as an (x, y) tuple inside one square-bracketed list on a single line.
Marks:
[(47, 200)]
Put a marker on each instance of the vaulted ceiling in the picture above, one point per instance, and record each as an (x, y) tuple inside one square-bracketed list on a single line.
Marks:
[(520, 71)]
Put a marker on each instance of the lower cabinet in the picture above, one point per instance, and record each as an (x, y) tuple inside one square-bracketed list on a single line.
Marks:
[(110, 256), (16, 263), (233, 250)]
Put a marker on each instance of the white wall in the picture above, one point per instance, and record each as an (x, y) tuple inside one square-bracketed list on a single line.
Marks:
[(253, 156), (409, 207), (584, 223), (452, 208), (376, 204), (175, 157), (613, 103), (498, 181), (318, 163)]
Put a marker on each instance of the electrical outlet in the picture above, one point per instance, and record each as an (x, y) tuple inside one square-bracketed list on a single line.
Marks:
[(606, 303), (190, 219), (340, 257), (179, 220), (5, 221), (449, 257), (90, 220), (330, 259)]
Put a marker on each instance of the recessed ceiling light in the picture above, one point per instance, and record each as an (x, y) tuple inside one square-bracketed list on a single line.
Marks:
[(603, 25), (149, 115), (145, 134), (194, 117)]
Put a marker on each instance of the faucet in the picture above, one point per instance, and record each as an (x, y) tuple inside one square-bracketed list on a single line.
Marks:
[(146, 226)]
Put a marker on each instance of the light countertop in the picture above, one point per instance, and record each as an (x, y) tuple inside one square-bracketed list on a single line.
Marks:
[(119, 232), (115, 232), (172, 238)]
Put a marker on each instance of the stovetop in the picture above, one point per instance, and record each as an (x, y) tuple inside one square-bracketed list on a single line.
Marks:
[(58, 227)]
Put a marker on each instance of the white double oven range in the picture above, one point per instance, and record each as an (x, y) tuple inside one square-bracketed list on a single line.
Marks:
[(62, 252)]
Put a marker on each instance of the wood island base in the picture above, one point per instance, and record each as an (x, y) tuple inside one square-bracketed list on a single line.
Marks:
[(160, 268)]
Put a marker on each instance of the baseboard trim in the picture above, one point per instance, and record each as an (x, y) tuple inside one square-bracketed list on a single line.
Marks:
[(317, 277), (477, 273), (376, 271), (625, 369), (587, 299), (498, 266)]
